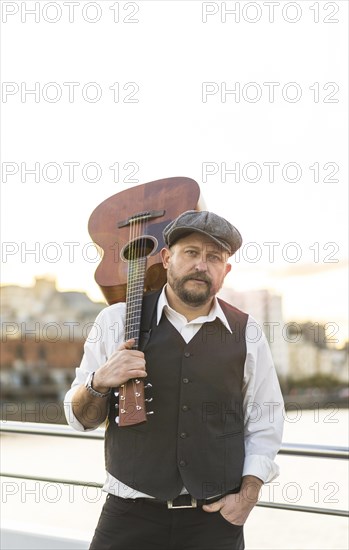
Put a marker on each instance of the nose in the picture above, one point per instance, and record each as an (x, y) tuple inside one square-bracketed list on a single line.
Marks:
[(201, 265)]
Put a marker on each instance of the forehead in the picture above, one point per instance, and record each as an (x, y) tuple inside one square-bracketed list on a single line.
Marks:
[(199, 240)]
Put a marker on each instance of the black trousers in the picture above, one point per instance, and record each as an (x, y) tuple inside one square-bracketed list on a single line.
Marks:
[(139, 524)]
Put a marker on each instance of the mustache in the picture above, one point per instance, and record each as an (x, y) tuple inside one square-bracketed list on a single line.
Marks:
[(199, 276)]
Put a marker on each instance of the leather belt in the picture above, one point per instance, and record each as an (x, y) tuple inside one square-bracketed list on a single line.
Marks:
[(182, 501)]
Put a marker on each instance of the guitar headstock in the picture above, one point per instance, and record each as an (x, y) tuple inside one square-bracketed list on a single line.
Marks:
[(131, 405)]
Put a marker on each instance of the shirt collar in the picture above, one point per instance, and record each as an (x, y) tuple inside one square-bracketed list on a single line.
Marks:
[(216, 312)]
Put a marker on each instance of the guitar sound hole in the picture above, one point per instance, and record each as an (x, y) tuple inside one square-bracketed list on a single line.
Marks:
[(139, 248)]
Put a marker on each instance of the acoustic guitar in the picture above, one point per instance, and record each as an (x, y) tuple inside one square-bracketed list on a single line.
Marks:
[(127, 227)]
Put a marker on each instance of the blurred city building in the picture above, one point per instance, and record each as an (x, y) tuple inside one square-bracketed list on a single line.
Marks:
[(266, 308), (314, 353), (42, 332), (42, 311), (300, 350)]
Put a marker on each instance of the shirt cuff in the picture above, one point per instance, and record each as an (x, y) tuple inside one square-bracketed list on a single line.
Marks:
[(68, 410), (260, 466)]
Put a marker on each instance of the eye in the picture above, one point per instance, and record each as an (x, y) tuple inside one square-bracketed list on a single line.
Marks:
[(191, 252), (214, 257)]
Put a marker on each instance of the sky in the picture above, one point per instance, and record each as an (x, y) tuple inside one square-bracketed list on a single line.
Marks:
[(247, 98)]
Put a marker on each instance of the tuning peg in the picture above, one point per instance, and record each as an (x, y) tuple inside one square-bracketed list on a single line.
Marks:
[(117, 419), (150, 412), (116, 393), (116, 405), (149, 400), (137, 381), (149, 385)]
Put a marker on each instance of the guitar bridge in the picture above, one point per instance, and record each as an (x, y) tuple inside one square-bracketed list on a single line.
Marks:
[(141, 216)]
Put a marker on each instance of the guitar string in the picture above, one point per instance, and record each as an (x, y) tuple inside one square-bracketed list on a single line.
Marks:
[(131, 259), (140, 250), (127, 328), (137, 250), (136, 256), (142, 255)]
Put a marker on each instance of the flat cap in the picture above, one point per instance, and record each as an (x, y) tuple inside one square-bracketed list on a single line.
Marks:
[(207, 223)]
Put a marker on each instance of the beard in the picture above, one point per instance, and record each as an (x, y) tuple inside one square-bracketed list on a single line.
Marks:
[(190, 296)]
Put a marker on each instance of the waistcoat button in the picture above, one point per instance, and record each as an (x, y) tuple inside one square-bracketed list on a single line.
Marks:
[(183, 435), (185, 380), (187, 354), (182, 463), (185, 408)]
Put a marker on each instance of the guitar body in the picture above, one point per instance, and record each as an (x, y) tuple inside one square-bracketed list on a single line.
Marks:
[(128, 228), (172, 196)]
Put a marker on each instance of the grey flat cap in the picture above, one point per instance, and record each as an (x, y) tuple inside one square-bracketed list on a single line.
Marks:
[(215, 227)]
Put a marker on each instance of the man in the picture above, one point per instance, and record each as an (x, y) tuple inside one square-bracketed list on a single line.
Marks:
[(189, 476)]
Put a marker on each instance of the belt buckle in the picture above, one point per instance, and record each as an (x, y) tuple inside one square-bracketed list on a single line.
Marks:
[(172, 506)]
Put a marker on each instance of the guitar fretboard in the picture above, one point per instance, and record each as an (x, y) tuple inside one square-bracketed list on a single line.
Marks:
[(134, 297)]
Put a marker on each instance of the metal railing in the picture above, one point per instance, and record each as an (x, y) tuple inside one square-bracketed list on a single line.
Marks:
[(58, 430)]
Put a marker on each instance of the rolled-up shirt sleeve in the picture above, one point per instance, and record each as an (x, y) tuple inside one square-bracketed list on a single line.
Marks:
[(106, 334), (263, 409)]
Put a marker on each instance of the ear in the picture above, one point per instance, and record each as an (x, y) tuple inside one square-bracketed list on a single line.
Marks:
[(227, 269), (165, 256)]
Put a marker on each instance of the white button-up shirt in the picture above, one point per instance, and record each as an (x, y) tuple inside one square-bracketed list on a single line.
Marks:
[(262, 398)]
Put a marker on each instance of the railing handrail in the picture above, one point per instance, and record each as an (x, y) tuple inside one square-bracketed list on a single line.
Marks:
[(319, 451), (261, 503), (58, 430), (62, 430)]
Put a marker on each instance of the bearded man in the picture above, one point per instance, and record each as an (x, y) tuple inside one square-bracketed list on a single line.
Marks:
[(187, 478)]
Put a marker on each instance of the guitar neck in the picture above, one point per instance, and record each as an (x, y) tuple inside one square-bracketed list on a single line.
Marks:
[(132, 410), (134, 297)]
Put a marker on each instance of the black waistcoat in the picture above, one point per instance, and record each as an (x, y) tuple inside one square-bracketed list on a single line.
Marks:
[(195, 436)]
